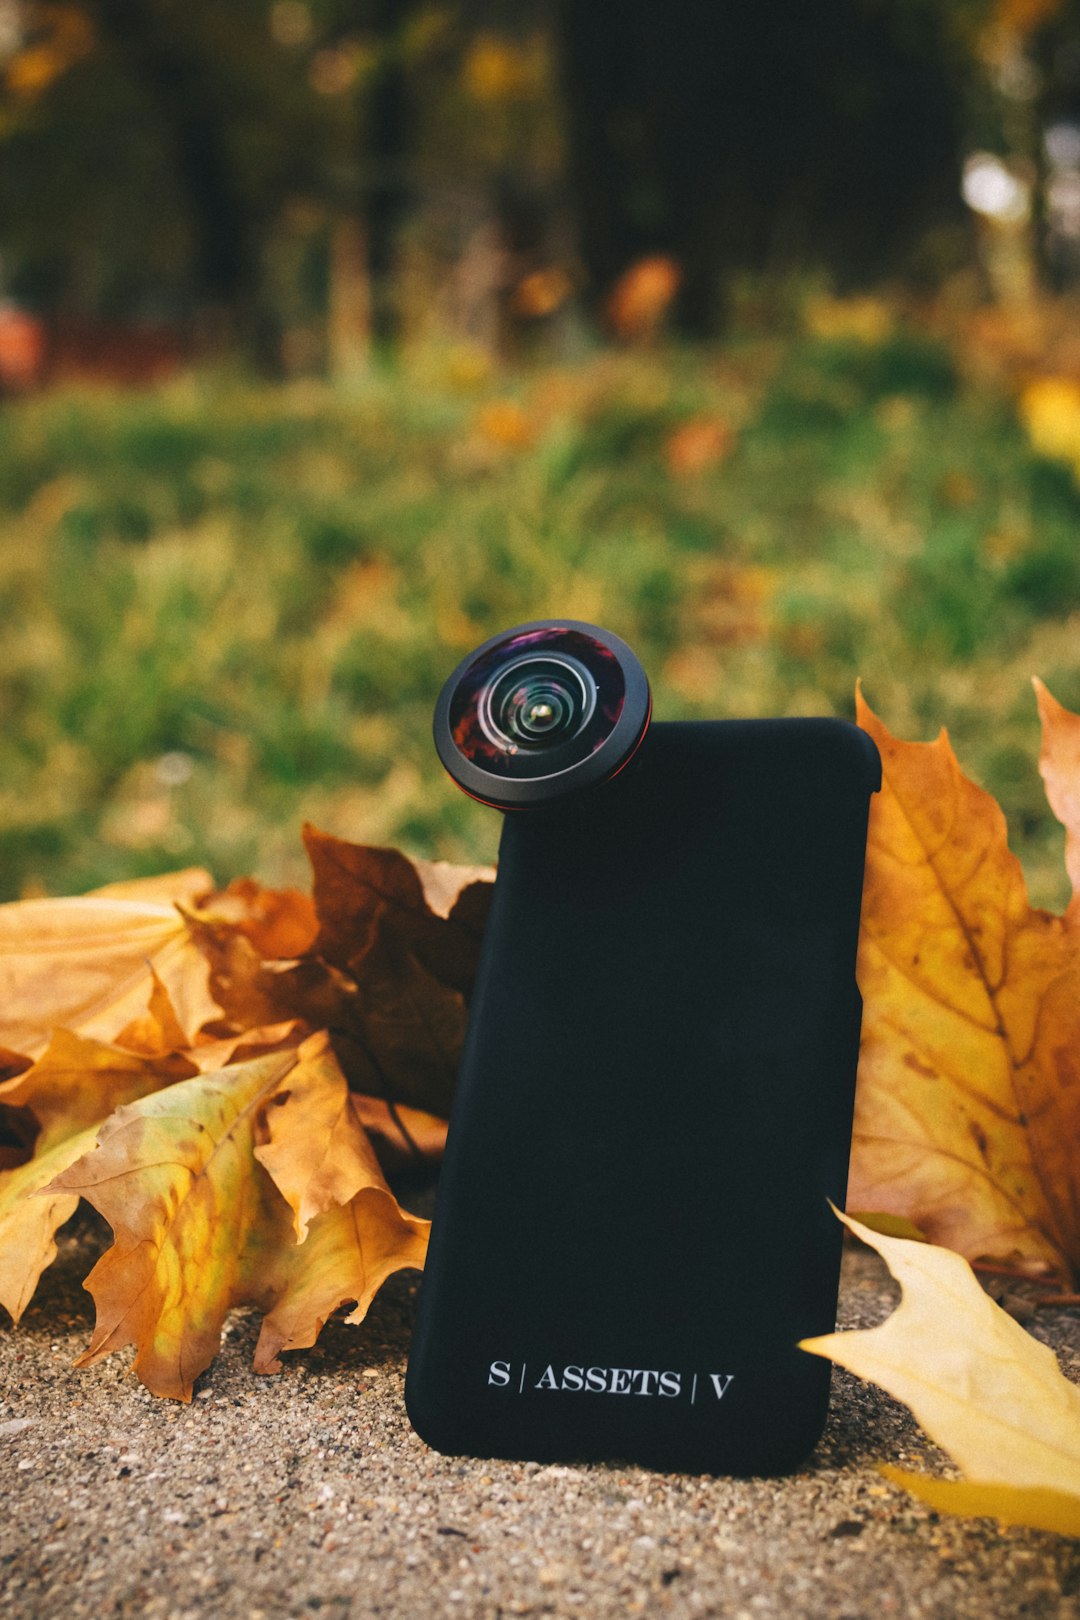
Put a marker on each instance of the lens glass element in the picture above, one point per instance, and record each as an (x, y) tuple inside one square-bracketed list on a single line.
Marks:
[(537, 703)]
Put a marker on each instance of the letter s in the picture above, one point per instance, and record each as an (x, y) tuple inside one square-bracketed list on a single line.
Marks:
[(596, 1378), (499, 1372), (670, 1383), (572, 1378)]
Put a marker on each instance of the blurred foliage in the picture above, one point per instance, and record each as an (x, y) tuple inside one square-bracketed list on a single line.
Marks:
[(236, 136), (230, 607), (195, 165)]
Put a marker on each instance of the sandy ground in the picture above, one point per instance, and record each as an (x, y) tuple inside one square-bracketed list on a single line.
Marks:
[(309, 1495)]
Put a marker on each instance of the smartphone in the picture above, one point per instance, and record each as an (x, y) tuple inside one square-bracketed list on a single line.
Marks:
[(632, 1228)]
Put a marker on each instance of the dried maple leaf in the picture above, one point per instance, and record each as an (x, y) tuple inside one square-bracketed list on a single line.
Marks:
[(195, 1233), (347, 1256), (404, 938), (988, 1393), (403, 1137), (432, 909), (388, 974), (352, 1231), (199, 1226), (276, 922), (968, 1110), (312, 1143), (86, 964), (70, 1090)]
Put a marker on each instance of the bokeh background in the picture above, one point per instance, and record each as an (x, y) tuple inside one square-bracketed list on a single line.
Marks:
[(334, 338)]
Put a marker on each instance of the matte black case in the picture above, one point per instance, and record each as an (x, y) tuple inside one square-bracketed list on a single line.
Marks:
[(653, 1111)]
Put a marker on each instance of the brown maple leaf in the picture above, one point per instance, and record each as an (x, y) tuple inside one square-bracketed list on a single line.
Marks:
[(433, 911), (388, 973)]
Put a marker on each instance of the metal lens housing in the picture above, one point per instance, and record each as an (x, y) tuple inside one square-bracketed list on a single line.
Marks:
[(540, 712)]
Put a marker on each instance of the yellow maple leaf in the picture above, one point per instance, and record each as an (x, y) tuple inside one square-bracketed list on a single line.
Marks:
[(200, 1227), (988, 1393), (967, 1112), (195, 1233), (70, 1090)]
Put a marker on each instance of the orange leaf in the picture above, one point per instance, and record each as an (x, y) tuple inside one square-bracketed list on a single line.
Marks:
[(968, 1104), (347, 1256), (351, 1231), (311, 1142), (402, 1137), (87, 964), (277, 922)]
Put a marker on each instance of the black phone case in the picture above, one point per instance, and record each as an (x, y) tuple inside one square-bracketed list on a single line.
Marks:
[(632, 1229)]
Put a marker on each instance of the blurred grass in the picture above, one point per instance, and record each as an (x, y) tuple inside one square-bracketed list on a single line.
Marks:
[(227, 608)]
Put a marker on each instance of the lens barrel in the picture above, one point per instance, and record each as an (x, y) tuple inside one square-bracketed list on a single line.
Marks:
[(540, 712)]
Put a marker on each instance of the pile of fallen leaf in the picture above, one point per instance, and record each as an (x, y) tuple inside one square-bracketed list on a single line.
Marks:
[(227, 1076)]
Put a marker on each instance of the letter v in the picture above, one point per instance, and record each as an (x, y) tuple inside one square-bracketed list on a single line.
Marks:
[(720, 1382)]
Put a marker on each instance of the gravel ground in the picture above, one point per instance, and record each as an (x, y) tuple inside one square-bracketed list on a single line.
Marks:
[(309, 1495)]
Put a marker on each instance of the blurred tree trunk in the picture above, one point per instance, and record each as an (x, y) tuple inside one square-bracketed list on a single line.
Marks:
[(348, 326), (224, 234), (753, 137), (386, 156)]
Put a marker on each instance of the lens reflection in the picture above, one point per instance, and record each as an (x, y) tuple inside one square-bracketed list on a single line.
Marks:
[(539, 702)]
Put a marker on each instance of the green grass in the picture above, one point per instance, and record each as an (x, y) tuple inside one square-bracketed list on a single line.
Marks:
[(229, 608)]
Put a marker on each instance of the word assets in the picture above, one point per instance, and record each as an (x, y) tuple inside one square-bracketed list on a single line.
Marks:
[(572, 1379)]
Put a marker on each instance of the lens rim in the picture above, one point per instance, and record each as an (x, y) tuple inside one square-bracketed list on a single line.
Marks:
[(609, 757)]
